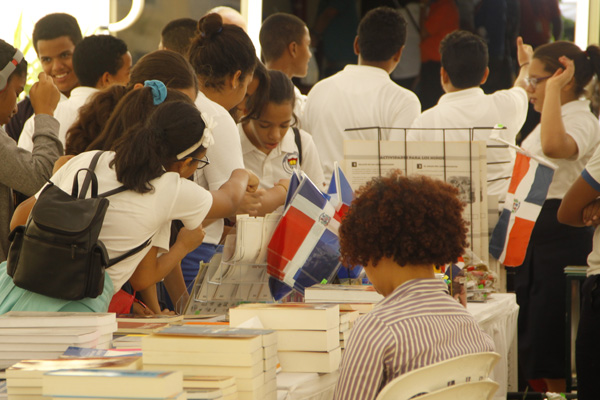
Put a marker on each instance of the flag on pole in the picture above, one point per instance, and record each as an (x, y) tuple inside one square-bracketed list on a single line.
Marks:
[(304, 248), (527, 192), (341, 196)]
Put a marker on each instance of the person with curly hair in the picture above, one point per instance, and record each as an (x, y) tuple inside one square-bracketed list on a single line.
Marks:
[(398, 228)]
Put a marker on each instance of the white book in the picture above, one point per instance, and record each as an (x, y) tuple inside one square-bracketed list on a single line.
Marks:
[(325, 340), (304, 361), (342, 294), (192, 370), (26, 319), (300, 316), (203, 358)]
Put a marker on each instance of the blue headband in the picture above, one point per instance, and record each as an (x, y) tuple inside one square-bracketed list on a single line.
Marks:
[(159, 91)]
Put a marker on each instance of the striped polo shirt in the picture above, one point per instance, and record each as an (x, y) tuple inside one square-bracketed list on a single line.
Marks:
[(418, 324)]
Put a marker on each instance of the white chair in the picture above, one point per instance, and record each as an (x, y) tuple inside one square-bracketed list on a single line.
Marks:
[(455, 371), (482, 390)]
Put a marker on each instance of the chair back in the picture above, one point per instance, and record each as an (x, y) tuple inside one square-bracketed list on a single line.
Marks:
[(467, 368), (482, 390)]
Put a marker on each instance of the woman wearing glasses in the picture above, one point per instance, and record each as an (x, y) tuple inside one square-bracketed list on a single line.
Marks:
[(568, 135)]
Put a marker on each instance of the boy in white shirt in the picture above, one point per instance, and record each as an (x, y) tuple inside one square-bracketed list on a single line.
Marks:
[(465, 105), (285, 46), (98, 61), (362, 95)]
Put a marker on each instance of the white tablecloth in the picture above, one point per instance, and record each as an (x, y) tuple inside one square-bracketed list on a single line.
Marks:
[(498, 318)]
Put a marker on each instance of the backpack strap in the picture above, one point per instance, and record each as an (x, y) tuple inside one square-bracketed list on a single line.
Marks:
[(298, 141), (131, 252), (90, 176)]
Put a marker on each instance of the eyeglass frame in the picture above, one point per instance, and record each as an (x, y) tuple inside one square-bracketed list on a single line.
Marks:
[(201, 162), (533, 82)]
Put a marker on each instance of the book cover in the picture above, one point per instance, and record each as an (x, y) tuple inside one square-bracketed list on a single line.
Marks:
[(140, 327), (36, 368), (211, 344), (238, 359), (204, 381)]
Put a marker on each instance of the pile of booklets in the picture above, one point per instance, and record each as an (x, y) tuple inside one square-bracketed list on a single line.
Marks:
[(347, 319), (109, 384), (24, 379), (46, 335), (307, 334), (361, 298), (248, 355), (210, 387)]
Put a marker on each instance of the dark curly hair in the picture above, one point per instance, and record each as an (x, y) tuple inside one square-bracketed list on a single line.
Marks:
[(412, 220)]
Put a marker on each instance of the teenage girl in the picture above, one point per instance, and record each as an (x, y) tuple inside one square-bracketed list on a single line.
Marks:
[(568, 134), (152, 160), (224, 59), (271, 146)]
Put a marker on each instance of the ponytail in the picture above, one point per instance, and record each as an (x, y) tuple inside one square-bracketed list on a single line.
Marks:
[(92, 118), (145, 150)]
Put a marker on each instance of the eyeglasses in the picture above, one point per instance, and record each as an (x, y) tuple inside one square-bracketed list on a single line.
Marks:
[(202, 162), (533, 82)]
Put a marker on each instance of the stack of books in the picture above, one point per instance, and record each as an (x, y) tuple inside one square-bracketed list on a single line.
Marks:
[(46, 335), (245, 354), (307, 334), (24, 379), (105, 384), (210, 387)]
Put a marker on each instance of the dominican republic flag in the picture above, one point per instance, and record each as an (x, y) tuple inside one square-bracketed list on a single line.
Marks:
[(527, 192), (341, 195), (304, 248)]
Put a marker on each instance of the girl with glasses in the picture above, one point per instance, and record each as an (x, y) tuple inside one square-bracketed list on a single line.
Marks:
[(568, 134)]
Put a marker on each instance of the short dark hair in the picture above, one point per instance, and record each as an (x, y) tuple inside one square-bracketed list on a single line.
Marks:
[(7, 53), (277, 32), (56, 25), (381, 33), (177, 35), (412, 220), (219, 50), (465, 58), (95, 55)]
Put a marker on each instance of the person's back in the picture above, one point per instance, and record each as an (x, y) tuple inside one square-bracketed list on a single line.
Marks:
[(464, 68), (362, 95), (54, 39), (417, 323), (98, 61)]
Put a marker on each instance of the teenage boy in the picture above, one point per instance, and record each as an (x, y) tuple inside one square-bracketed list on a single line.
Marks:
[(465, 105), (362, 95), (99, 62), (177, 35), (285, 46), (22, 170), (54, 39)]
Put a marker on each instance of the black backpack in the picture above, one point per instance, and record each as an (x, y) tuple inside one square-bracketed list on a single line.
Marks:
[(58, 253)]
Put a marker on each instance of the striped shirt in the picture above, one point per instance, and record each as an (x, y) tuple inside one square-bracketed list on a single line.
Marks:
[(418, 324)]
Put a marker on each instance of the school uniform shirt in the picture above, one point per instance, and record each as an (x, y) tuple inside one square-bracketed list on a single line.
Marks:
[(418, 324), (591, 174), (224, 155), (66, 113), (299, 104), (358, 96), (470, 108), (584, 128), (133, 218), (282, 160)]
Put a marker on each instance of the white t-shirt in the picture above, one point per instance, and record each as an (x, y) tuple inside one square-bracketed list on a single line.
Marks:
[(224, 155), (584, 128), (470, 108), (66, 113), (591, 174), (358, 96), (283, 159), (132, 218), (299, 105)]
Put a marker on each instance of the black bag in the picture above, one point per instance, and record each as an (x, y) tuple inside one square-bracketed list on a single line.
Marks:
[(58, 253)]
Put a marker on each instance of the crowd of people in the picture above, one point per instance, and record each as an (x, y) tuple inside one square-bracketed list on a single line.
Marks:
[(201, 130)]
